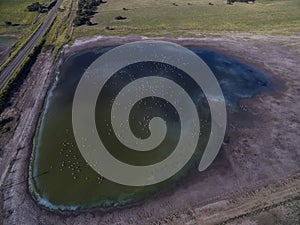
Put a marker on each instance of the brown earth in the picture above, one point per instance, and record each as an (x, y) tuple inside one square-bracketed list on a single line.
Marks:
[(258, 169)]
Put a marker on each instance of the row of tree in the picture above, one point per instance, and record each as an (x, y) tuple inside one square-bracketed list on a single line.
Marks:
[(233, 1), (86, 9), (36, 6)]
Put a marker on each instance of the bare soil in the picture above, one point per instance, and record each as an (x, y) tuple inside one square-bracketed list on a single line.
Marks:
[(257, 169)]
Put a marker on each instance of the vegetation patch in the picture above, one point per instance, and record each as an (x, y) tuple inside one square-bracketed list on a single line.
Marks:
[(40, 7), (60, 31), (86, 9), (246, 1), (120, 18)]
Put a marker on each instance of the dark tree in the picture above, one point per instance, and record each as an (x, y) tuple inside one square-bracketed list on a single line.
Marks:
[(8, 23), (88, 23), (78, 21), (120, 18), (86, 9)]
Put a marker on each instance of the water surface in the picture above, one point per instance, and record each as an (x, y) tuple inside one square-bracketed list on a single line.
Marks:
[(69, 183)]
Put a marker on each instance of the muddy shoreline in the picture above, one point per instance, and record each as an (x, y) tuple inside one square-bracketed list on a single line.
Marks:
[(228, 176)]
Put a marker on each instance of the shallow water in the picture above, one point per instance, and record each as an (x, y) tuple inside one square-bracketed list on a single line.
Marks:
[(69, 183)]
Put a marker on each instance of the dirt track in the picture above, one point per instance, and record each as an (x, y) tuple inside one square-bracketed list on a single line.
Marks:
[(262, 154)]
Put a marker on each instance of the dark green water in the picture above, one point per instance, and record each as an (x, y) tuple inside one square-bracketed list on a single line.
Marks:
[(69, 183)]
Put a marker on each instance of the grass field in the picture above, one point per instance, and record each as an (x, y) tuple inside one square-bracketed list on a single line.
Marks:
[(193, 17), (15, 12)]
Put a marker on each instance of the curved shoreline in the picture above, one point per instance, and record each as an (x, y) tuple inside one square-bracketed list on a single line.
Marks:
[(180, 198), (232, 107)]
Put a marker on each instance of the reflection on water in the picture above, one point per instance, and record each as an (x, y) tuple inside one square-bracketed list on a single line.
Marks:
[(71, 183)]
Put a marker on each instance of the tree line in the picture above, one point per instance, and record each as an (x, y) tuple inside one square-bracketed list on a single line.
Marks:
[(36, 6), (86, 9), (233, 1)]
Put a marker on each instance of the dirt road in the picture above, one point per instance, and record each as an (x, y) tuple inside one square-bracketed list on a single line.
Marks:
[(18, 59)]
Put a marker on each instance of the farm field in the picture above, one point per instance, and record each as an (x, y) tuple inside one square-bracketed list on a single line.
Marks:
[(193, 18)]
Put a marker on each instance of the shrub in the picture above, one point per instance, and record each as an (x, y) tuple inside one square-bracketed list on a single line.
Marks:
[(8, 23), (120, 18)]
